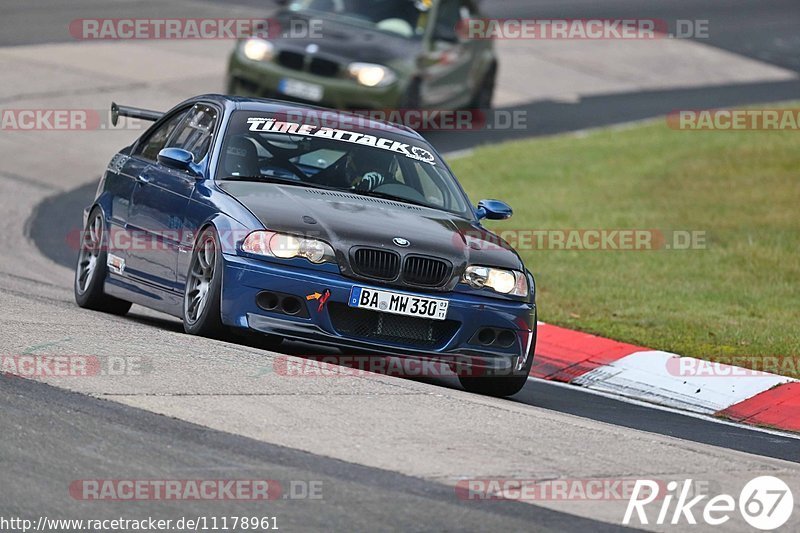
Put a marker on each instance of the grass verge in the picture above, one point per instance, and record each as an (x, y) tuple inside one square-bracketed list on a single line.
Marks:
[(736, 297)]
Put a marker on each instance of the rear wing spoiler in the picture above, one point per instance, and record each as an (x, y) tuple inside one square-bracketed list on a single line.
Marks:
[(133, 112)]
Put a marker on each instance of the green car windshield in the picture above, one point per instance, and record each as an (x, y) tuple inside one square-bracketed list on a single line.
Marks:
[(364, 161), (407, 18)]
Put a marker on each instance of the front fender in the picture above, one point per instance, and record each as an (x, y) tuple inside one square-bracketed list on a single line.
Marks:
[(230, 232)]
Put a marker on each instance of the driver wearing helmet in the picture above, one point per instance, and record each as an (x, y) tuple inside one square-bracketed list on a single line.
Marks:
[(369, 168)]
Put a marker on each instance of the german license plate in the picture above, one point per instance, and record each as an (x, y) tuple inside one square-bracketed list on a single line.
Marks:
[(398, 303), (301, 89)]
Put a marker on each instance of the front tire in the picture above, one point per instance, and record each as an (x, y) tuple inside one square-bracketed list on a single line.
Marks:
[(231, 86), (201, 298), (412, 99), (92, 269), (483, 98), (501, 386)]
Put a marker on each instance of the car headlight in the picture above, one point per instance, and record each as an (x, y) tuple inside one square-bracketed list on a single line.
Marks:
[(258, 49), (371, 75), (510, 282), (285, 246)]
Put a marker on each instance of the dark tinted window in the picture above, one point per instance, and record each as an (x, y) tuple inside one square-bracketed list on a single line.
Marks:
[(368, 161), (452, 13), (400, 17), (448, 18), (195, 132), (158, 139)]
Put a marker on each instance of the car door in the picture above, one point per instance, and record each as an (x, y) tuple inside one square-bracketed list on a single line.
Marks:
[(450, 59), (137, 168), (159, 201)]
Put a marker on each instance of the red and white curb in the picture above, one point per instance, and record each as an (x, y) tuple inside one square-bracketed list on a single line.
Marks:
[(661, 378)]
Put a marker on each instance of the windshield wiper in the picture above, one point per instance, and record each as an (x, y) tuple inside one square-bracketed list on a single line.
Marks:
[(281, 181)]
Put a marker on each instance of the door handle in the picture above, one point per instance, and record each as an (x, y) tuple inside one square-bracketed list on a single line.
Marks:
[(143, 179)]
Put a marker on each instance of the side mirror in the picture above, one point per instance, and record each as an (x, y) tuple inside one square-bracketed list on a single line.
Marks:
[(179, 159), (493, 210)]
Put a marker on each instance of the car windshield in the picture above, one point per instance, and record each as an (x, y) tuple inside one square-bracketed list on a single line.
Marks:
[(365, 161), (407, 18)]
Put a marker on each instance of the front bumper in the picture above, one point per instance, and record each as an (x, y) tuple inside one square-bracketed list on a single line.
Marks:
[(245, 278), (261, 79)]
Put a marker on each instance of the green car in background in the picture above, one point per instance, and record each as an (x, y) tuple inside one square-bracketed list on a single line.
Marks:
[(369, 55)]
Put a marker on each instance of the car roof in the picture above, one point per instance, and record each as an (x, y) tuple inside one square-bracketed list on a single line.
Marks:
[(266, 105)]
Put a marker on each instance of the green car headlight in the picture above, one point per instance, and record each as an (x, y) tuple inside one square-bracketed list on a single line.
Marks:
[(256, 49), (371, 75)]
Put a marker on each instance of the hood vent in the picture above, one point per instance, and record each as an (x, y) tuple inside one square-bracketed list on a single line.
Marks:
[(360, 198)]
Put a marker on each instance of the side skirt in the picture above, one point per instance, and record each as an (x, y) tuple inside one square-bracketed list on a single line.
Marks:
[(144, 294)]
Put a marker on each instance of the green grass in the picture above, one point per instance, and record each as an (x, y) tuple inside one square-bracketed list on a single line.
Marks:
[(738, 297)]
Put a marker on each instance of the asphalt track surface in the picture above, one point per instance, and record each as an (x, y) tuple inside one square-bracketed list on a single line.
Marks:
[(61, 212), (86, 431), (74, 433)]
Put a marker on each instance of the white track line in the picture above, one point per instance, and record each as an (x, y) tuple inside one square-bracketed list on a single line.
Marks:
[(668, 379)]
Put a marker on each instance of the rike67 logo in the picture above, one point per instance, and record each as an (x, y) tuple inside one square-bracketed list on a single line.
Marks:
[(765, 503)]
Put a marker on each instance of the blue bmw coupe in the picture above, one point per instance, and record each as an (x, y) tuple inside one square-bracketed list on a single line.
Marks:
[(302, 223)]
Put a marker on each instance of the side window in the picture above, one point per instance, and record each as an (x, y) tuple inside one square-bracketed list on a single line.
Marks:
[(195, 132), (467, 10), (158, 139), (448, 19)]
